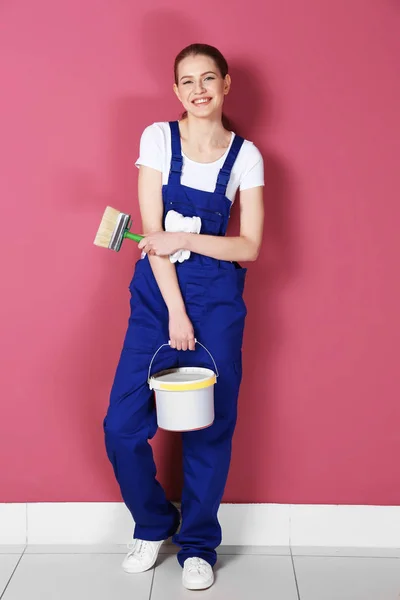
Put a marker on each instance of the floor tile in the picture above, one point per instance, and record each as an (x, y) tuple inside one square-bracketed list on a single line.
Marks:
[(336, 578), (8, 563), (236, 577), (77, 577)]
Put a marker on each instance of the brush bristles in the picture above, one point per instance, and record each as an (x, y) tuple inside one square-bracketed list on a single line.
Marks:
[(107, 227)]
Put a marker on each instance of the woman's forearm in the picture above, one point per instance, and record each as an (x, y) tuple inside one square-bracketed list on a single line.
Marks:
[(165, 274), (237, 248)]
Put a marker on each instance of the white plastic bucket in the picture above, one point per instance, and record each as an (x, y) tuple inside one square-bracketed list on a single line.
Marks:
[(184, 396)]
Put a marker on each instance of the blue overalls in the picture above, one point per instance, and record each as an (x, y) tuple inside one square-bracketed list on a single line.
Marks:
[(212, 291)]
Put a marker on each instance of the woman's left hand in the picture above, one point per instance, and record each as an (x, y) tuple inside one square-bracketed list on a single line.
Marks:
[(162, 243)]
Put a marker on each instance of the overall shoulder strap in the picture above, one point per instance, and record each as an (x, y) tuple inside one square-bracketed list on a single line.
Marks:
[(225, 173), (176, 154)]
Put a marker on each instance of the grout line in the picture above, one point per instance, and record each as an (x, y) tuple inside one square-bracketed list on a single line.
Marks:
[(12, 574), (327, 555), (151, 585), (43, 550), (63, 553), (295, 576)]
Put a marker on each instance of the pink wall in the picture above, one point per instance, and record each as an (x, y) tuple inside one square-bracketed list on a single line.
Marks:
[(316, 87)]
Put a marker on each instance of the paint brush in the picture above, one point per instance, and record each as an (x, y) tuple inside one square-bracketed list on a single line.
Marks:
[(114, 228)]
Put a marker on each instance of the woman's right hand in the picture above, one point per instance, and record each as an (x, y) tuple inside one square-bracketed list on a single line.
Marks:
[(181, 333)]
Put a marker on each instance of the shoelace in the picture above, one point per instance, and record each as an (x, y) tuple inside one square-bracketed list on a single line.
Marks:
[(138, 547), (195, 564)]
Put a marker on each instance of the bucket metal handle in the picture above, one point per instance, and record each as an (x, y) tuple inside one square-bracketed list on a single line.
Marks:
[(169, 343)]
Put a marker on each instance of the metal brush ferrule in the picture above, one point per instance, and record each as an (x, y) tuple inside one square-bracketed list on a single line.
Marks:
[(123, 223)]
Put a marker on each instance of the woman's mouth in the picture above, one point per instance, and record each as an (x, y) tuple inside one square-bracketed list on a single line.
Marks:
[(201, 101)]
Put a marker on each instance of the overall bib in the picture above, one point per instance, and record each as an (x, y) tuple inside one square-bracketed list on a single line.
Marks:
[(212, 291)]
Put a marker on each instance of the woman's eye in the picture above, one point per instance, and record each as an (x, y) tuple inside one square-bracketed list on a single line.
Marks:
[(188, 81)]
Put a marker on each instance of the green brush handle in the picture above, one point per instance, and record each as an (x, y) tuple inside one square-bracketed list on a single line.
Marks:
[(132, 236)]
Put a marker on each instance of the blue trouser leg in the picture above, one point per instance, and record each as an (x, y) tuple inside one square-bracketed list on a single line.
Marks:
[(131, 418), (129, 424), (216, 309), (206, 459)]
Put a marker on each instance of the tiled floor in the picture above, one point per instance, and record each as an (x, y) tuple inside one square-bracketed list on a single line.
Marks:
[(242, 573)]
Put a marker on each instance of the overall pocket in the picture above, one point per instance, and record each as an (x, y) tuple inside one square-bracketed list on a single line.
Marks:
[(195, 297), (140, 338)]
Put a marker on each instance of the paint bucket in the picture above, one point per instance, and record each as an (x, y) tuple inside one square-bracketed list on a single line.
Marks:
[(184, 396)]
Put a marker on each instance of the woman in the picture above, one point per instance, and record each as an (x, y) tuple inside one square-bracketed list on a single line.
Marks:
[(194, 168)]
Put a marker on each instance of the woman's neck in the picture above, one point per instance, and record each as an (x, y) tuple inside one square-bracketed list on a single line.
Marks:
[(204, 133)]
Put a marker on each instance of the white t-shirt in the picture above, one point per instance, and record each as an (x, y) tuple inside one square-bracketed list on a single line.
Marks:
[(155, 152)]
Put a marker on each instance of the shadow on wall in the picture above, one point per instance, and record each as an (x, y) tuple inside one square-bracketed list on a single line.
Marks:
[(253, 110), (101, 336)]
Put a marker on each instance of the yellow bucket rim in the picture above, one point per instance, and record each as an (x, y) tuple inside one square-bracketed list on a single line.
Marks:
[(186, 387), (182, 386)]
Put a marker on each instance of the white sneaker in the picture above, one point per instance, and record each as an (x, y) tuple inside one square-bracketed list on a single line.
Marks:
[(197, 574), (142, 556)]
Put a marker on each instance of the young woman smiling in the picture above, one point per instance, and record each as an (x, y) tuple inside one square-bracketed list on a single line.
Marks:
[(187, 286)]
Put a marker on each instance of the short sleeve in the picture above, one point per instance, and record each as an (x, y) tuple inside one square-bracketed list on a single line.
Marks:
[(253, 175), (151, 148)]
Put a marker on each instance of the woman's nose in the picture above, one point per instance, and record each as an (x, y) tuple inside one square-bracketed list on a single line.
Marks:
[(199, 87)]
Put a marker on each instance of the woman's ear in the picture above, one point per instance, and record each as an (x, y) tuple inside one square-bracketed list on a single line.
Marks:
[(227, 84), (176, 91)]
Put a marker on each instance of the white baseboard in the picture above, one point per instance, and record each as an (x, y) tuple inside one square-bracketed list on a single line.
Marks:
[(242, 524)]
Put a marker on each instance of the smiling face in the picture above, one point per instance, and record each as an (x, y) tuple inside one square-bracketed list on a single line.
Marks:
[(200, 86)]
